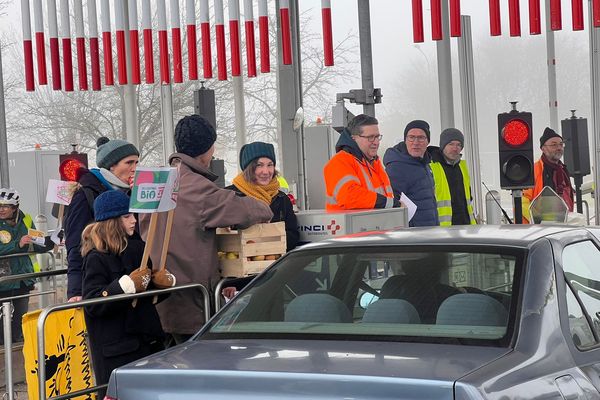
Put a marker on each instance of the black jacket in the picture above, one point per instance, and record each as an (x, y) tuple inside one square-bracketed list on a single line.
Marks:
[(460, 213), (283, 210), (119, 332)]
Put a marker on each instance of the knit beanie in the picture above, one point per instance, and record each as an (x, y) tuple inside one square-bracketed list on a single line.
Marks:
[(252, 151), (450, 134), (194, 135), (419, 124), (549, 133), (111, 152), (110, 204)]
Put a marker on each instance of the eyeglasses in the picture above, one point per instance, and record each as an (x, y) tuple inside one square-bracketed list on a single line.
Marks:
[(411, 138), (6, 206), (373, 138), (555, 145)]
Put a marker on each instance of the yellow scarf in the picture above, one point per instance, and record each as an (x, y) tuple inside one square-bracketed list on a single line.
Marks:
[(262, 193)]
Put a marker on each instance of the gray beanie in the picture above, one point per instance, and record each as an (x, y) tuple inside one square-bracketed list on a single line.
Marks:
[(450, 134), (194, 135), (111, 152)]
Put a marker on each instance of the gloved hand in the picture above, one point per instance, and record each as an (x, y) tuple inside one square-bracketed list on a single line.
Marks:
[(163, 279), (140, 278)]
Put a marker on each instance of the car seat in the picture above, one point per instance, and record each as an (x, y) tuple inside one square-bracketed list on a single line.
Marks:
[(317, 307), (472, 309), (391, 311)]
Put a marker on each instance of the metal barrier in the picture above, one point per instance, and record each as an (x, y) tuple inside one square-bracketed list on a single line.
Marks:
[(109, 299)]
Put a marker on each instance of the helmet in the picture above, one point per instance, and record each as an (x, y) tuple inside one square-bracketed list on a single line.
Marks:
[(9, 196)]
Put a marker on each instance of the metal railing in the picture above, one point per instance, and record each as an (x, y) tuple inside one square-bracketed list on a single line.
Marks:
[(109, 299)]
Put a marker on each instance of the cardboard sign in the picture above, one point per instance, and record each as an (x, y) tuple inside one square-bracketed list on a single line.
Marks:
[(39, 237), (154, 189), (60, 192)]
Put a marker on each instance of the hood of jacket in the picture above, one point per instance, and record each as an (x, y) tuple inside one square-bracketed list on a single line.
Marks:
[(347, 144), (194, 165), (400, 153), (90, 180)]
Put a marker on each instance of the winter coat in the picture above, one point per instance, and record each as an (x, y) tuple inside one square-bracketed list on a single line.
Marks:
[(119, 333), (353, 182), (283, 210), (10, 236), (192, 256), (80, 213), (412, 176)]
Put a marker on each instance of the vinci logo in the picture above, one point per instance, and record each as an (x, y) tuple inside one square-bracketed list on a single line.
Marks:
[(319, 229), (333, 227)]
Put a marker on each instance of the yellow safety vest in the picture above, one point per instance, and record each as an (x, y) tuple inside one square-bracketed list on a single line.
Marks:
[(442, 193), (29, 223)]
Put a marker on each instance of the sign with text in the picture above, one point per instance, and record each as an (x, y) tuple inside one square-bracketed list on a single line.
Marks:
[(154, 189), (60, 192)]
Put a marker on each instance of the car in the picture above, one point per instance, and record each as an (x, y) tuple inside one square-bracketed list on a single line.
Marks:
[(473, 312)]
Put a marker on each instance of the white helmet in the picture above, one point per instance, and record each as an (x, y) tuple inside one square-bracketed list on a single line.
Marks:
[(9, 196)]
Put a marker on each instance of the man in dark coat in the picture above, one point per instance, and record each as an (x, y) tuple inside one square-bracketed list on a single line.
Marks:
[(407, 165)]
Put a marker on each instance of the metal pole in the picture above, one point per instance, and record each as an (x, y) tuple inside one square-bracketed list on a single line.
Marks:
[(469, 113), (6, 323), (517, 196), (4, 176), (166, 115), (493, 212), (551, 59), (366, 54), (595, 92), (444, 63), (129, 91), (239, 111)]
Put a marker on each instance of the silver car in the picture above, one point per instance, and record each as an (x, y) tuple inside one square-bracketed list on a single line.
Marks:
[(476, 312)]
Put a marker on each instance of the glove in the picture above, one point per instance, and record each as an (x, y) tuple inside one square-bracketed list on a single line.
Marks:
[(140, 278), (163, 279)]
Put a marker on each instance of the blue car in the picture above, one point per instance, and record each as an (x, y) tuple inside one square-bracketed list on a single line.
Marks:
[(475, 312)]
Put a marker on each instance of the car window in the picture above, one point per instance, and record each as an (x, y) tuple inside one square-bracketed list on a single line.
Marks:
[(580, 264), (393, 292), (581, 333)]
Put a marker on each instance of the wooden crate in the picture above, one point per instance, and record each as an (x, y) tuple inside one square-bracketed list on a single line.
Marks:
[(258, 240)]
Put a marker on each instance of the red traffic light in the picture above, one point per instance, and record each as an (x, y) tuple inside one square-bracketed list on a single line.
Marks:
[(69, 169), (515, 133)]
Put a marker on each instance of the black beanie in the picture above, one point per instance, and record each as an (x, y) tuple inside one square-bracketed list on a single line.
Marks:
[(549, 133), (450, 134), (252, 151), (418, 124), (194, 135)]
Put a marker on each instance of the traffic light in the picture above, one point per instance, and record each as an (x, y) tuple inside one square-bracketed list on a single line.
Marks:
[(515, 148), (71, 164)]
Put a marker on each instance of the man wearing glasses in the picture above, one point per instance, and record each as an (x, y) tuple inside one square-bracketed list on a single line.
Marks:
[(354, 177), (407, 165), (550, 171)]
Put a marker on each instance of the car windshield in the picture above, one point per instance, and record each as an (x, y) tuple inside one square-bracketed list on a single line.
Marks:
[(380, 293)]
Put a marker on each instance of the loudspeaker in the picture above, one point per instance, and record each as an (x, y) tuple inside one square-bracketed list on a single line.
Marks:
[(577, 148)]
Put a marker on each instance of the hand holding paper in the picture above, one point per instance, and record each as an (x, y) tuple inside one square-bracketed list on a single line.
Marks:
[(412, 207)]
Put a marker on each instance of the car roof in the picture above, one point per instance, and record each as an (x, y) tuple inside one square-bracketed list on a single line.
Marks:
[(493, 235)]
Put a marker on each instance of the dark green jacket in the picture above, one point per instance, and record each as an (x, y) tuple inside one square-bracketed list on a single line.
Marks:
[(9, 244)]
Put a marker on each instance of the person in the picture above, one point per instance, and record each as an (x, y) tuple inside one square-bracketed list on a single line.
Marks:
[(550, 171), (14, 239), (120, 332), (201, 208), (452, 181), (407, 165), (259, 179), (354, 176), (116, 160)]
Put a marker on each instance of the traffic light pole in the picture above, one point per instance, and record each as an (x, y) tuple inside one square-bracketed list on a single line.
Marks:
[(578, 195), (4, 177), (517, 196)]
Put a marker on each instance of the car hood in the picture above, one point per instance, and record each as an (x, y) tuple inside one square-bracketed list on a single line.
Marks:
[(302, 369)]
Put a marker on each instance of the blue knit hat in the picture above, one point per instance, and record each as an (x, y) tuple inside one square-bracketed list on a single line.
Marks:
[(194, 135), (110, 204), (252, 151), (111, 152)]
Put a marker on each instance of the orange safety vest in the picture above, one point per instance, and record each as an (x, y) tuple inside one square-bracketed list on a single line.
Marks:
[(353, 184)]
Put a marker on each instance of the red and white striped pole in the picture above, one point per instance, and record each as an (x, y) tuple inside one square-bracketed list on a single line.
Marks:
[(555, 15), (163, 42), (596, 13), (190, 22), (27, 45), (94, 46), (495, 25), (436, 20), (176, 42), (134, 42), (250, 41), (205, 33), (577, 11), (417, 15), (263, 36), (121, 49), (535, 22), (514, 15), (328, 32), (455, 18), (234, 37), (286, 35), (147, 32), (109, 75), (220, 30), (40, 42), (65, 34), (54, 49), (80, 43)]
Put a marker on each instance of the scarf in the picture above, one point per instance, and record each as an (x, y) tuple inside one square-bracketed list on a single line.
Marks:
[(263, 193), (560, 178), (115, 182)]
